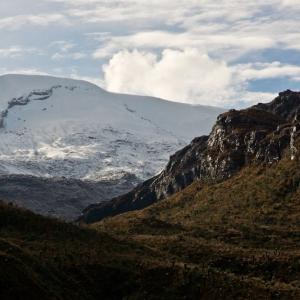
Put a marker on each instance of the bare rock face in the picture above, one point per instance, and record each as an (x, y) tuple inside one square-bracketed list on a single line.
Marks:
[(261, 134)]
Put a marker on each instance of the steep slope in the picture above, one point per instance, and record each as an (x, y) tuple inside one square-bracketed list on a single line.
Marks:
[(256, 135), (62, 127)]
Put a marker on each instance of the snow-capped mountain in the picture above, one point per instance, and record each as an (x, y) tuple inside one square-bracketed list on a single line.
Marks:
[(63, 127)]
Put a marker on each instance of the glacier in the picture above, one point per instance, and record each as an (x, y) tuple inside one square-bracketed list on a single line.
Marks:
[(69, 128)]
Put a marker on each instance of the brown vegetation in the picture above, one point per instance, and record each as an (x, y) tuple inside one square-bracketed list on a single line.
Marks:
[(237, 239)]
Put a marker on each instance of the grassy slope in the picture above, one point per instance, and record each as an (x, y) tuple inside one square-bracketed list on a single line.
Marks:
[(246, 229), (234, 240), (45, 259)]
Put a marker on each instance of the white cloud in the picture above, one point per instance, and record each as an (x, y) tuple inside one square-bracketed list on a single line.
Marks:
[(65, 50), (226, 28), (16, 51), (187, 75), (12, 52), (237, 43), (17, 22), (291, 3), (61, 55), (63, 46), (191, 76), (275, 69)]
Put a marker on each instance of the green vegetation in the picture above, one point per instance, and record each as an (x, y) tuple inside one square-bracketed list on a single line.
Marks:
[(239, 239)]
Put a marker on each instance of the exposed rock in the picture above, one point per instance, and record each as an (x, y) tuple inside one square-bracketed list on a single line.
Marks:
[(285, 105), (39, 95), (260, 134)]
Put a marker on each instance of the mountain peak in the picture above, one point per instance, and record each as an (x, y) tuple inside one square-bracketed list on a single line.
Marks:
[(286, 104), (287, 93)]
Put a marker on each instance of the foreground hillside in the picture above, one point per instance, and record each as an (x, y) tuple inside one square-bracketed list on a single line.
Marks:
[(237, 239), (245, 229)]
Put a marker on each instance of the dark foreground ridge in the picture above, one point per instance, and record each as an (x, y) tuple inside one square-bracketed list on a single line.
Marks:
[(258, 135)]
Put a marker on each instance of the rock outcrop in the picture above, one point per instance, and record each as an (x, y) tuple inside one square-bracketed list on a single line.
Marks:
[(261, 134), (38, 95)]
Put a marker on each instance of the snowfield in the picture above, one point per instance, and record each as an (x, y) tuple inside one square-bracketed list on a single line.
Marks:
[(53, 127)]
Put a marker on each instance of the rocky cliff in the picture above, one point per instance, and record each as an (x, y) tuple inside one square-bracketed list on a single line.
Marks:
[(261, 134)]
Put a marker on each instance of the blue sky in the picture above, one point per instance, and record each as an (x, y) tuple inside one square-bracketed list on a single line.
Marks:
[(224, 52)]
